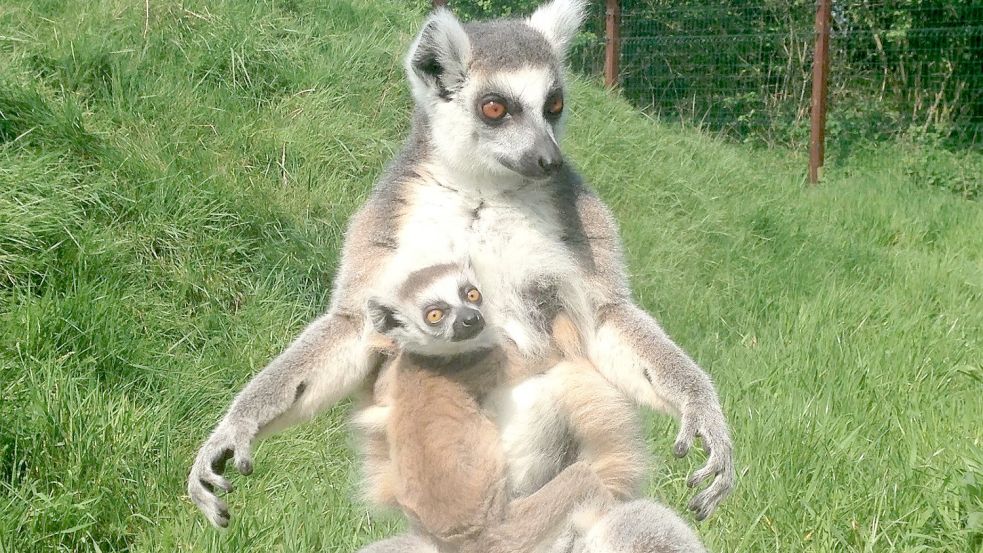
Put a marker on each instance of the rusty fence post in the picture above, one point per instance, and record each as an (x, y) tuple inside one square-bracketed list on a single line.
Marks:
[(612, 43), (820, 76)]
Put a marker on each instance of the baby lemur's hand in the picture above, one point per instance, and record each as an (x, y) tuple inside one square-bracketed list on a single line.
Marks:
[(226, 442), (707, 422)]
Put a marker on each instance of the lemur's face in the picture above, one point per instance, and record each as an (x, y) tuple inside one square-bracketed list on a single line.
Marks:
[(492, 91), (505, 122), (456, 321), (436, 311)]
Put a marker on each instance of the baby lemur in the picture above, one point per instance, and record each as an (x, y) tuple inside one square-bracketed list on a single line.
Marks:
[(432, 450)]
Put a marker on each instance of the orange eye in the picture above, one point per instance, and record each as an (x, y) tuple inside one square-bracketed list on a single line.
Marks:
[(493, 109), (556, 106), (434, 316), (474, 296)]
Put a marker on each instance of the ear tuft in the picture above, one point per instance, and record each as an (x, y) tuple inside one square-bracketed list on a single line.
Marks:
[(383, 317), (559, 22), (438, 60)]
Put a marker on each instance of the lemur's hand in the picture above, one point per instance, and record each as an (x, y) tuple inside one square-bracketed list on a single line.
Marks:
[(226, 442), (707, 422)]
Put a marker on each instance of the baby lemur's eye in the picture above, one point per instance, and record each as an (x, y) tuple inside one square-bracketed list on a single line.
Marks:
[(435, 315), (474, 296), (493, 108)]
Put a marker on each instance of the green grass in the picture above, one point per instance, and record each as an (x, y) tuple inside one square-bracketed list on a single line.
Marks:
[(173, 194)]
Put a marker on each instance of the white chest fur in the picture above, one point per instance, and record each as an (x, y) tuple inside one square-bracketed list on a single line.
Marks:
[(512, 239)]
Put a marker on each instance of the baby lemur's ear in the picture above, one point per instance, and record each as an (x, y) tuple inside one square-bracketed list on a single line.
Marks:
[(437, 63), (383, 317)]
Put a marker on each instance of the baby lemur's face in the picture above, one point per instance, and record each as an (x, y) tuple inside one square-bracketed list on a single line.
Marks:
[(435, 311)]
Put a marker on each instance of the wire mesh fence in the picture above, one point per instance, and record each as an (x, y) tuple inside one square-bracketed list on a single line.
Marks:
[(897, 67), (742, 71)]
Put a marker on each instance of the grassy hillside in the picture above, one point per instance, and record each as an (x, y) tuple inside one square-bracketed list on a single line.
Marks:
[(173, 190)]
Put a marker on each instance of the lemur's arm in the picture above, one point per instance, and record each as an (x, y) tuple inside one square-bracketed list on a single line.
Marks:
[(330, 358), (320, 367), (635, 354)]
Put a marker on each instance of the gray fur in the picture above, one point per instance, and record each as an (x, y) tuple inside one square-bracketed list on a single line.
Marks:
[(333, 357), (270, 394), (641, 526), (506, 45)]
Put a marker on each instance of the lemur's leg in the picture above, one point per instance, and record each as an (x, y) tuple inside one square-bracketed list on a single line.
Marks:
[(531, 520), (636, 355), (406, 543), (641, 526), (322, 365)]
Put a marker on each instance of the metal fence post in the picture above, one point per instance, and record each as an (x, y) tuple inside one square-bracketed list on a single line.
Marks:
[(820, 71), (612, 44)]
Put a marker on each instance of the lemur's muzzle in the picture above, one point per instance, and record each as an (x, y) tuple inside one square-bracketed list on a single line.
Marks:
[(468, 324), (542, 160)]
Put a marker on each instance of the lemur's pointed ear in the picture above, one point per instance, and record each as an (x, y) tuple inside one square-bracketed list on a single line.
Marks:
[(383, 317), (559, 22), (438, 60)]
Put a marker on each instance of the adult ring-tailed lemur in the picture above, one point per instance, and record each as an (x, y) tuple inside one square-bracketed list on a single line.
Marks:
[(482, 176)]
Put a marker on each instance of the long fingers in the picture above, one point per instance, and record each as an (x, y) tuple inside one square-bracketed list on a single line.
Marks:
[(707, 501), (720, 465), (215, 510), (212, 480), (206, 480)]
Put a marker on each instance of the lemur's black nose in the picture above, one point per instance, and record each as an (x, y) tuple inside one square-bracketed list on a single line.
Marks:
[(468, 325)]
